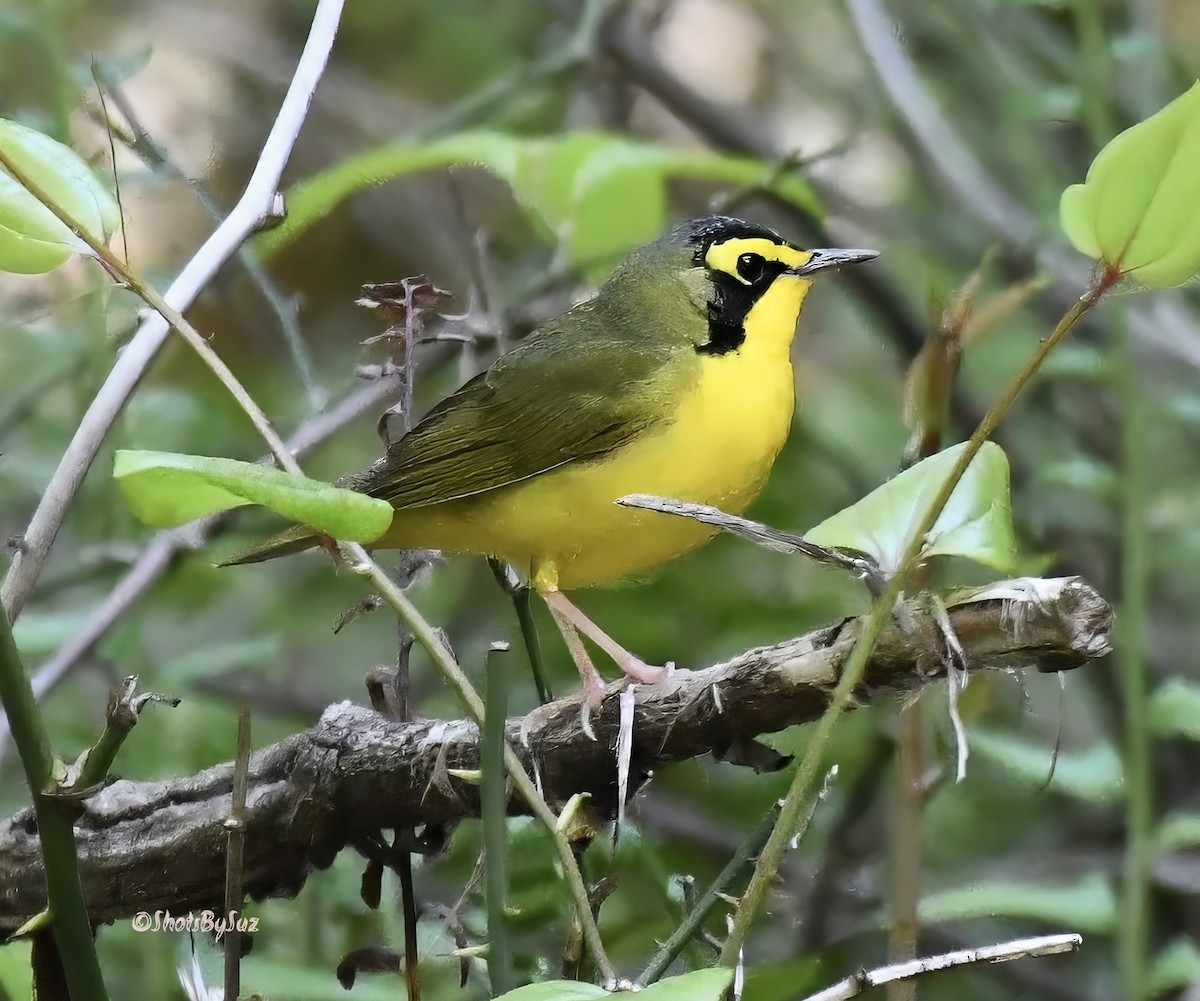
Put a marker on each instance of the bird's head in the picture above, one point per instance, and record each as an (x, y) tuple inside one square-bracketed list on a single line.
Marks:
[(745, 280)]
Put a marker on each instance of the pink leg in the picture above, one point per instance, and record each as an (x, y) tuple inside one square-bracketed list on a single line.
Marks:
[(564, 611), (593, 684)]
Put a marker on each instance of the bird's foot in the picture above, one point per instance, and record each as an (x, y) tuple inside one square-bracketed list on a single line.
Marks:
[(637, 669), (571, 620)]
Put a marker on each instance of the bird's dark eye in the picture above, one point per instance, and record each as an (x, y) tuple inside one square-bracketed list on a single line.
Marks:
[(752, 267)]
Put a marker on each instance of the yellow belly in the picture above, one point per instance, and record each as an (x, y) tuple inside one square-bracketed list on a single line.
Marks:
[(563, 528)]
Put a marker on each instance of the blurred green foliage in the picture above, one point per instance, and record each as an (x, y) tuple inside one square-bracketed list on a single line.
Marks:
[(1029, 89)]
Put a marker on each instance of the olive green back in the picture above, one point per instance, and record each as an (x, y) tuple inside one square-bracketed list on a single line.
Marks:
[(605, 372)]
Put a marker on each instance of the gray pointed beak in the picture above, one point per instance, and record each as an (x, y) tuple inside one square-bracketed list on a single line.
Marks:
[(832, 258)]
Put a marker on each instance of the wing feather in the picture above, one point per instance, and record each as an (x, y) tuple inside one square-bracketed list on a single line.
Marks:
[(557, 398)]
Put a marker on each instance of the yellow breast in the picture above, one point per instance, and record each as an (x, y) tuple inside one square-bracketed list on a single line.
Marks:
[(563, 526)]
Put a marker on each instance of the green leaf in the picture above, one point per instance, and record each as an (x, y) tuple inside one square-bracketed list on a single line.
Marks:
[(1139, 209), (166, 489), (555, 990), (1093, 775), (976, 524), (1086, 905), (32, 240), (602, 194), (1174, 709), (1178, 965), (702, 985)]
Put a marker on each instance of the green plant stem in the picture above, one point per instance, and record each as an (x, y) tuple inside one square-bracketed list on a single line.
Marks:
[(1095, 70), (493, 796), (747, 852), (64, 892), (523, 603), (469, 699), (521, 596), (1139, 777), (235, 828), (802, 788)]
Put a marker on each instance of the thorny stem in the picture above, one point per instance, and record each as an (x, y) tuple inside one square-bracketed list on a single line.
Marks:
[(68, 911), (803, 783), (695, 918)]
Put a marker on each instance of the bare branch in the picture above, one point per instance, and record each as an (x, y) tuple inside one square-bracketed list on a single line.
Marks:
[(254, 207), (1001, 952), (151, 845)]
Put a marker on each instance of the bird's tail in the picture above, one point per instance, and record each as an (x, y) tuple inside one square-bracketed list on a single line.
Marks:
[(293, 540)]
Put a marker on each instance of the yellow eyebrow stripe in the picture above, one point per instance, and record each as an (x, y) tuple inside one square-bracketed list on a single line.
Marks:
[(724, 256)]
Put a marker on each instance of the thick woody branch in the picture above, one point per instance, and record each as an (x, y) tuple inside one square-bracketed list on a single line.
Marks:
[(152, 845)]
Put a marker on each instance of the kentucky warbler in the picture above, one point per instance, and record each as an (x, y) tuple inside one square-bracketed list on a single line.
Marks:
[(675, 378)]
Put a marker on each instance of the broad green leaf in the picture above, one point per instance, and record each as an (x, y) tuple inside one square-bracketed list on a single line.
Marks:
[(976, 524), (702, 985), (1139, 208), (1087, 905), (602, 194), (1174, 709), (556, 990), (32, 240), (1178, 965), (1093, 775), (166, 489)]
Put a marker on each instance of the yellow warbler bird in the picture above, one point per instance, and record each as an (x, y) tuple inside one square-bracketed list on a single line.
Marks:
[(674, 379)]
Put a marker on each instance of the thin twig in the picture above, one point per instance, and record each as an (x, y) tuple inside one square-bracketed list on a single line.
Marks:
[(235, 827), (859, 564), (124, 708), (1003, 952), (493, 810), (521, 596), (696, 917), (256, 205)]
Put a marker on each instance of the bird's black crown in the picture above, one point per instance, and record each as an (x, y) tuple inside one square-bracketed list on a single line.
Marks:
[(702, 233)]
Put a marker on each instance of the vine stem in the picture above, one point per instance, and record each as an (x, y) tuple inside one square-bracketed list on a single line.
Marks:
[(803, 783)]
